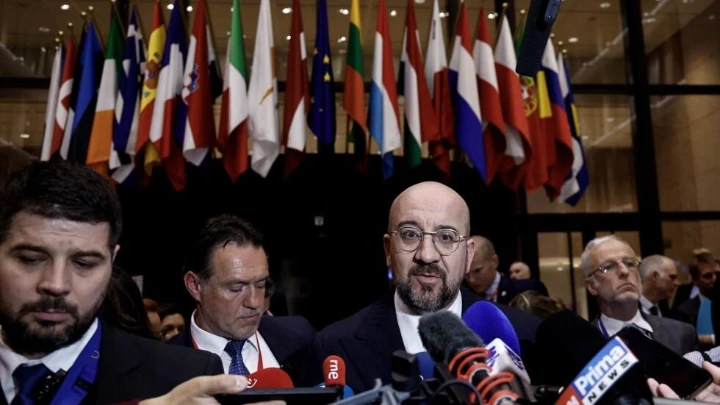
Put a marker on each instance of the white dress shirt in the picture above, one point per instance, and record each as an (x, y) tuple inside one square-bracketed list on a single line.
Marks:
[(216, 344), (408, 322), (61, 359), (493, 287), (613, 326)]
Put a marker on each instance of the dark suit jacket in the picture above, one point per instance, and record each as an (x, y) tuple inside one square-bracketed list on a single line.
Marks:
[(290, 339), (509, 288), (367, 339), (682, 294), (133, 368), (678, 336), (688, 311)]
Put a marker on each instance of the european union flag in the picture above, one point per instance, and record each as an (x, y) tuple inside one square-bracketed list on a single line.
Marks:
[(321, 118)]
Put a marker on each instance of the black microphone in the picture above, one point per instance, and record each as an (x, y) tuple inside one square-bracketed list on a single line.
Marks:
[(540, 19), (605, 372), (449, 342)]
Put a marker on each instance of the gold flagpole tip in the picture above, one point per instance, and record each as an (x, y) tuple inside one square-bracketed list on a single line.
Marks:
[(83, 14), (57, 41), (228, 33), (70, 25), (505, 5), (60, 33), (522, 11), (91, 9)]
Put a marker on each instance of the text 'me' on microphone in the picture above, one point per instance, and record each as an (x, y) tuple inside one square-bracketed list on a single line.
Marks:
[(449, 341)]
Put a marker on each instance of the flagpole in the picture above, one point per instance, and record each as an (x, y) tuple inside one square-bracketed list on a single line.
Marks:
[(347, 133), (503, 12), (212, 41)]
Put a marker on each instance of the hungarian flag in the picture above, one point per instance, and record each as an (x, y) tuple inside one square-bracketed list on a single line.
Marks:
[(296, 94), (420, 123), (233, 131)]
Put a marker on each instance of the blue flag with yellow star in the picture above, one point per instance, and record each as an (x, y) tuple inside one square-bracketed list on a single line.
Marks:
[(321, 118)]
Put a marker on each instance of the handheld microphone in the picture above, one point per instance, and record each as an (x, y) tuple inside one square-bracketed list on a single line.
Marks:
[(271, 377), (501, 358), (334, 375), (426, 365), (600, 369), (489, 322), (450, 342)]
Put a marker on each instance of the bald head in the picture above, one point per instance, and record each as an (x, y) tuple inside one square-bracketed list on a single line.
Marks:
[(430, 197), (484, 249)]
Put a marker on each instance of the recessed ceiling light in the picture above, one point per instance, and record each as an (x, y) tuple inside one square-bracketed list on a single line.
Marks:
[(189, 9), (572, 40), (170, 6), (65, 7), (344, 11), (419, 1), (560, 43), (287, 10), (443, 14), (24, 136), (552, 35), (605, 5), (342, 39), (522, 11), (44, 29), (564, 50), (43, 49), (393, 13)]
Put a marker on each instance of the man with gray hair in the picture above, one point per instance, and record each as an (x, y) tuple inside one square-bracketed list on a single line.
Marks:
[(659, 277), (611, 274)]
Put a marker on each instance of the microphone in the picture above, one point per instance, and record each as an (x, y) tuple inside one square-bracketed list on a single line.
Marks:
[(501, 358), (602, 369), (426, 365), (271, 377), (450, 342), (489, 323), (540, 18), (334, 375)]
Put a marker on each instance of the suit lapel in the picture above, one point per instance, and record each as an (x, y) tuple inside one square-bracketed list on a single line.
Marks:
[(379, 336), (273, 334), (118, 359)]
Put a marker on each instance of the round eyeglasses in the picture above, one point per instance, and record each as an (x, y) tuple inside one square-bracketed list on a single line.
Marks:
[(446, 241)]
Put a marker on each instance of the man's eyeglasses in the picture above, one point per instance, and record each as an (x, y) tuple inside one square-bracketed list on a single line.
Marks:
[(446, 241), (630, 263)]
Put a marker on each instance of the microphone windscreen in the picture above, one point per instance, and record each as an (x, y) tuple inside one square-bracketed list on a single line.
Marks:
[(269, 378), (565, 342), (694, 357), (444, 334), (490, 323), (426, 365), (334, 371)]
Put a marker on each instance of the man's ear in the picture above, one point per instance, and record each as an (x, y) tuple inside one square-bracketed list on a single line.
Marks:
[(193, 285), (386, 246), (590, 285), (470, 254), (495, 260)]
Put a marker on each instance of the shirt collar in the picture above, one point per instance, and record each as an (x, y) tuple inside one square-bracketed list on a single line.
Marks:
[(494, 286), (207, 341), (408, 322), (613, 326), (60, 359), (646, 304)]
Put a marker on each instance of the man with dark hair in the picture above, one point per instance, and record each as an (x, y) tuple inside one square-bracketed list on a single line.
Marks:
[(227, 275), (698, 311), (172, 321), (59, 229)]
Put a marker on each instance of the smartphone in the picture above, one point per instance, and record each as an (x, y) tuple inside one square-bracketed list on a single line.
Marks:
[(291, 396), (664, 365)]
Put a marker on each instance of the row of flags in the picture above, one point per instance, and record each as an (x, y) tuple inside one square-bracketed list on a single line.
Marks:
[(125, 109)]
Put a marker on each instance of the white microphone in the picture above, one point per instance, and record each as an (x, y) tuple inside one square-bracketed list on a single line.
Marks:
[(501, 358), (712, 355)]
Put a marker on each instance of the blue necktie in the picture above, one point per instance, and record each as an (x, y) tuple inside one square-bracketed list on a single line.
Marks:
[(234, 349), (28, 378)]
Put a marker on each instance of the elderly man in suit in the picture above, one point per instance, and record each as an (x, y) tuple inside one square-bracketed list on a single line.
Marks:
[(658, 275), (59, 228), (487, 282), (428, 248), (611, 275), (227, 275)]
